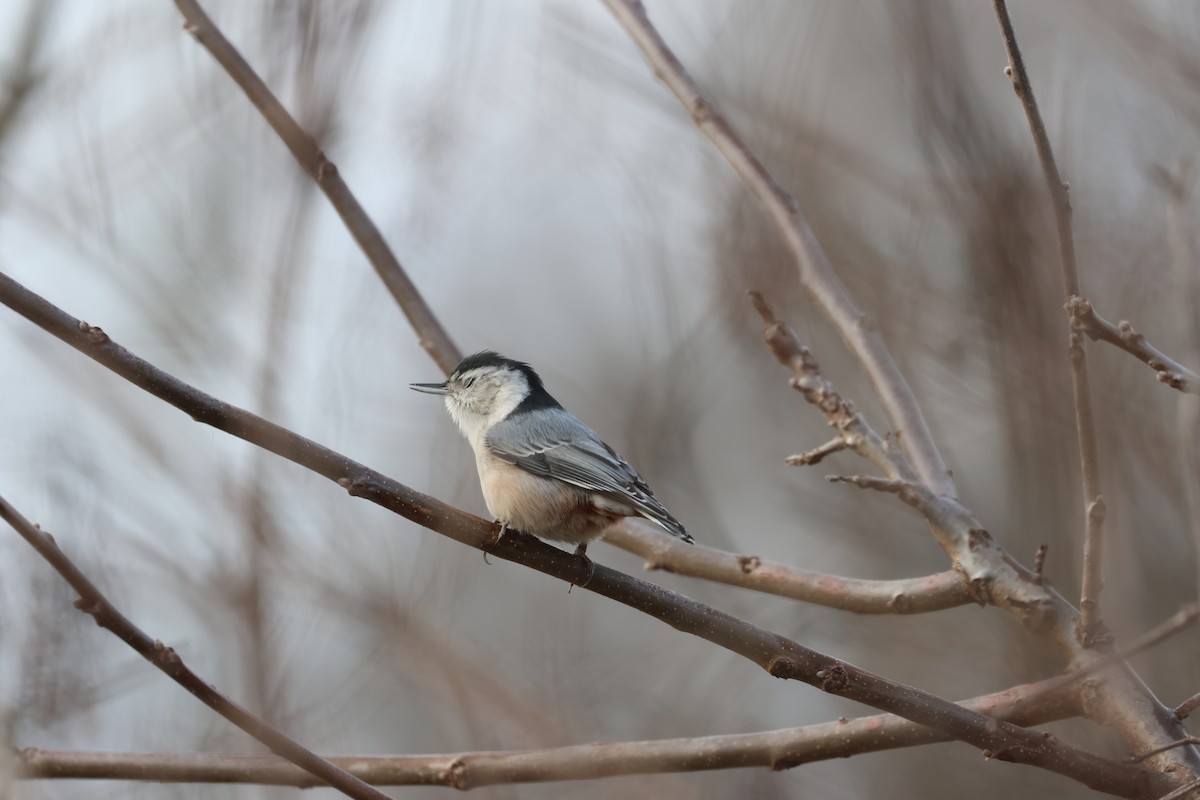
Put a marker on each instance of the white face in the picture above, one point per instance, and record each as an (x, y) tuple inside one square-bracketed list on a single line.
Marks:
[(479, 398)]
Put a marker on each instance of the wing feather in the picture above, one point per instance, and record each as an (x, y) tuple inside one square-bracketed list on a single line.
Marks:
[(573, 454)]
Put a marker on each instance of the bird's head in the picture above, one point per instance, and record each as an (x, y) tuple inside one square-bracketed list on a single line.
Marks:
[(485, 389)]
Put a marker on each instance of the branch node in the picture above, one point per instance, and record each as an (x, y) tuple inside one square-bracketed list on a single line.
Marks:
[(978, 539), (455, 775), (834, 678), (980, 589), (749, 563), (95, 334), (781, 667), (325, 167)]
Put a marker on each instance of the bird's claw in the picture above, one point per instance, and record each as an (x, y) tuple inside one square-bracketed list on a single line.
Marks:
[(588, 564), (493, 541)]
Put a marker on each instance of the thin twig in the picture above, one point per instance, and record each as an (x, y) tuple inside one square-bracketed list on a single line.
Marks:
[(1171, 372), (816, 455), (902, 489), (1169, 745), (1185, 709), (92, 601), (432, 336), (1182, 791), (1091, 629), (781, 657), (904, 596), (817, 276), (853, 431), (1039, 560), (1026, 705)]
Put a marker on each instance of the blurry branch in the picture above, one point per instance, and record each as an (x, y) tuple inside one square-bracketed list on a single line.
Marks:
[(781, 657), (21, 79), (1025, 705), (904, 596), (1120, 699), (433, 337), (1171, 372), (1186, 291), (992, 575), (1185, 709), (1091, 628), (92, 601), (817, 276)]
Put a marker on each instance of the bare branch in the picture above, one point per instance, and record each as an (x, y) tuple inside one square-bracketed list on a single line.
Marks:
[(1121, 699), (1168, 746), (1039, 559), (432, 336), (22, 79), (853, 431), (817, 276), (992, 575), (1091, 629), (1084, 318), (815, 456), (904, 596), (1182, 791), (1185, 709), (92, 601), (1030, 704), (781, 657)]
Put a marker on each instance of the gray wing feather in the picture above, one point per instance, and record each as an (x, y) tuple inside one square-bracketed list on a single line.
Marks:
[(557, 445)]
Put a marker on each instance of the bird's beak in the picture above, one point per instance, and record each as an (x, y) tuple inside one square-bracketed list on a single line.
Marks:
[(430, 388)]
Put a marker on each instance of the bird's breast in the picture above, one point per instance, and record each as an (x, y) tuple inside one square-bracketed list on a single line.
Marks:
[(544, 507)]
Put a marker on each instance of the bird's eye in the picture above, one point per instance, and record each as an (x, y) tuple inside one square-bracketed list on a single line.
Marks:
[(467, 383)]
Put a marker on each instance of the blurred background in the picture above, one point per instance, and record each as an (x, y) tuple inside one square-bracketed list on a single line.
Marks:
[(553, 202)]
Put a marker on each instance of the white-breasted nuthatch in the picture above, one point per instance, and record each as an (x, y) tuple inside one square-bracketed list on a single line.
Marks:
[(542, 470)]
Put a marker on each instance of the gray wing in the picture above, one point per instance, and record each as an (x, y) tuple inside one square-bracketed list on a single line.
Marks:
[(554, 444)]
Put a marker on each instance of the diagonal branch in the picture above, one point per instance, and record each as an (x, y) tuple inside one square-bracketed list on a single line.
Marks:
[(1091, 629), (92, 601), (781, 657), (1029, 704), (903, 596), (817, 276), (432, 336), (1171, 372)]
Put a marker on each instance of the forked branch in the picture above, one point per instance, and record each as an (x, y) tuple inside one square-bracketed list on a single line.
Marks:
[(92, 601)]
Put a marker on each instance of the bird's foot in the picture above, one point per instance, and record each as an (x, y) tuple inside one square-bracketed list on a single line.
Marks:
[(588, 565), (493, 541)]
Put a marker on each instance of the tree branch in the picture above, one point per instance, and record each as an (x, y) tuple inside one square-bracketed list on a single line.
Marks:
[(903, 596), (781, 657), (817, 276), (1084, 318), (92, 601), (432, 336), (1026, 705), (1091, 629), (992, 575)]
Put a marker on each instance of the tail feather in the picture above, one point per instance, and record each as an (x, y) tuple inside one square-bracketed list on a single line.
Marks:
[(661, 517)]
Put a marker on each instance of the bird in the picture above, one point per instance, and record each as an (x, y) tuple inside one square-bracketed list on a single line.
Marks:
[(542, 470)]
